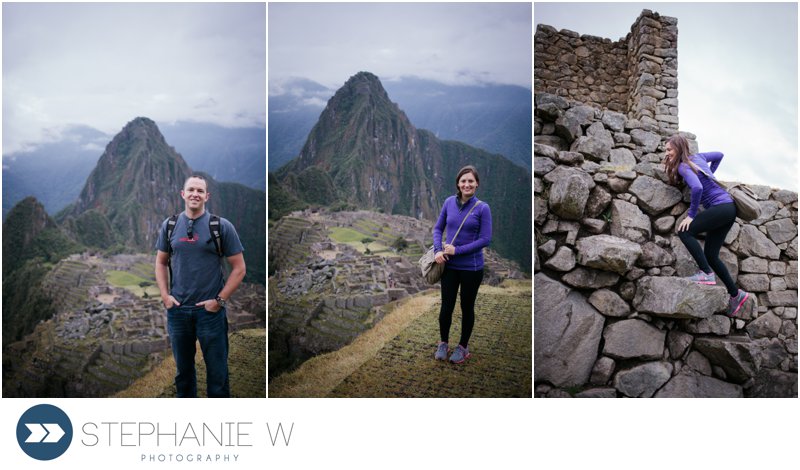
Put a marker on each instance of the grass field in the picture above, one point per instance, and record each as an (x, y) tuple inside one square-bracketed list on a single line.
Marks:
[(395, 358), (353, 238), (247, 363), (132, 282)]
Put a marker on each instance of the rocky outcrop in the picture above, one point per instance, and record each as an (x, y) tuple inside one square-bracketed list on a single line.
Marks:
[(620, 320)]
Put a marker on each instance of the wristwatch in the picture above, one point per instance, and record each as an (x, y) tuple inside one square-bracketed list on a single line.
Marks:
[(221, 301)]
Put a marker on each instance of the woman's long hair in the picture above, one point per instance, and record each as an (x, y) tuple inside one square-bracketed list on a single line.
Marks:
[(681, 146), (462, 172)]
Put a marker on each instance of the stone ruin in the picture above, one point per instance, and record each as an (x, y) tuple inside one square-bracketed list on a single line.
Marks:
[(612, 315), (324, 294), (636, 75), (103, 337)]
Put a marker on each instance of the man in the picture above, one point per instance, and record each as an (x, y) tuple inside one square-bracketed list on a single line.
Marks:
[(196, 298)]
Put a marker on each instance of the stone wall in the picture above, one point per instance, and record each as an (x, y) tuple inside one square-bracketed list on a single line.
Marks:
[(636, 75), (613, 316)]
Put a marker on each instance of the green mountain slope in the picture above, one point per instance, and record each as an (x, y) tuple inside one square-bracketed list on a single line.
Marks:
[(365, 152)]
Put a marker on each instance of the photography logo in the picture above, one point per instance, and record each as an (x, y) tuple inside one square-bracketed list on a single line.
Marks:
[(44, 432)]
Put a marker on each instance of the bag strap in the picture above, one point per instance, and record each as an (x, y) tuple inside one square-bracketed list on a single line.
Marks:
[(216, 233), (173, 219), (462, 222), (713, 178), (729, 188)]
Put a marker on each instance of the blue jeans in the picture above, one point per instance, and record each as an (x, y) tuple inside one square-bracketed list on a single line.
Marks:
[(188, 324)]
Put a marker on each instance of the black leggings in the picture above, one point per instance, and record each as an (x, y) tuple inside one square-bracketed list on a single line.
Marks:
[(470, 281), (716, 221)]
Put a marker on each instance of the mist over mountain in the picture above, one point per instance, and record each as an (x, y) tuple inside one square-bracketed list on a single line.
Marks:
[(493, 117), (294, 106), (227, 154), (496, 118), (55, 172), (365, 153)]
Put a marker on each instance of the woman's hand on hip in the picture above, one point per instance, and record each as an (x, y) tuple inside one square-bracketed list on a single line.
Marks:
[(684, 225), (440, 257)]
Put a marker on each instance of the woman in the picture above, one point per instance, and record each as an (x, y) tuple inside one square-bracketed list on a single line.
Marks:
[(463, 258), (715, 221)]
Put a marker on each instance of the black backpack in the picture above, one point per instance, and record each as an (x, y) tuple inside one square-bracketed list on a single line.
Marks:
[(213, 227)]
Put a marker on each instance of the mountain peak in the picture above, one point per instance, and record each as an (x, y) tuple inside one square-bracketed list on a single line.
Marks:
[(364, 79), (364, 84), (141, 121), (24, 235), (141, 127), (364, 151), (134, 182)]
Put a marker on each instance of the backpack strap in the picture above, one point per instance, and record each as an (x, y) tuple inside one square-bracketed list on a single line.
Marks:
[(216, 233), (170, 228)]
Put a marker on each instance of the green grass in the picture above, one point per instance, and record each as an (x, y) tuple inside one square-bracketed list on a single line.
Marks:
[(500, 366), (130, 281), (145, 270), (247, 363), (345, 235), (353, 238), (395, 359)]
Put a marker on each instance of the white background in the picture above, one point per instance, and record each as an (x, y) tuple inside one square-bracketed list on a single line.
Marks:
[(449, 433)]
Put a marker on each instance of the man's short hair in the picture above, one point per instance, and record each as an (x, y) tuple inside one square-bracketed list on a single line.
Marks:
[(200, 177)]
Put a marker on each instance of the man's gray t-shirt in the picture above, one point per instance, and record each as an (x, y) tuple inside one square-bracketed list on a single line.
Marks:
[(197, 273)]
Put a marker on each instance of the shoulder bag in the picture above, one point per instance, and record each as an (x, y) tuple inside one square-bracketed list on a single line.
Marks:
[(746, 200), (431, 270)]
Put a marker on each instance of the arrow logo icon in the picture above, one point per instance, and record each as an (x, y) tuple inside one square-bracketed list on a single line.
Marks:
[(46, 433)]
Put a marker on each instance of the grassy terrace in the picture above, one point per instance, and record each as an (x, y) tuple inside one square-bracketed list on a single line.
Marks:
[(395, 358), (247, 362), (137, 284)]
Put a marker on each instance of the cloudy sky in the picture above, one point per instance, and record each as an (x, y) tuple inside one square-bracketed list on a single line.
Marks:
[(454, 43), (737, 77), (104, 64)]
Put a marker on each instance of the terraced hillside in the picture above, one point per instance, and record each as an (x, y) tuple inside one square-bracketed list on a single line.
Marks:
[(395, 358), (247, 365), (109, 329), (335, 272)]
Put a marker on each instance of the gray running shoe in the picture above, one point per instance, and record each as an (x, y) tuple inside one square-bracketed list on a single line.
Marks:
[(702, 278), (735, 303), (460, 355), (441, 351)]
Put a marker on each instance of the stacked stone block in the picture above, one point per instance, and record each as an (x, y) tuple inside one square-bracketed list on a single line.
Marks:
[(613, 314), (636, 75)]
